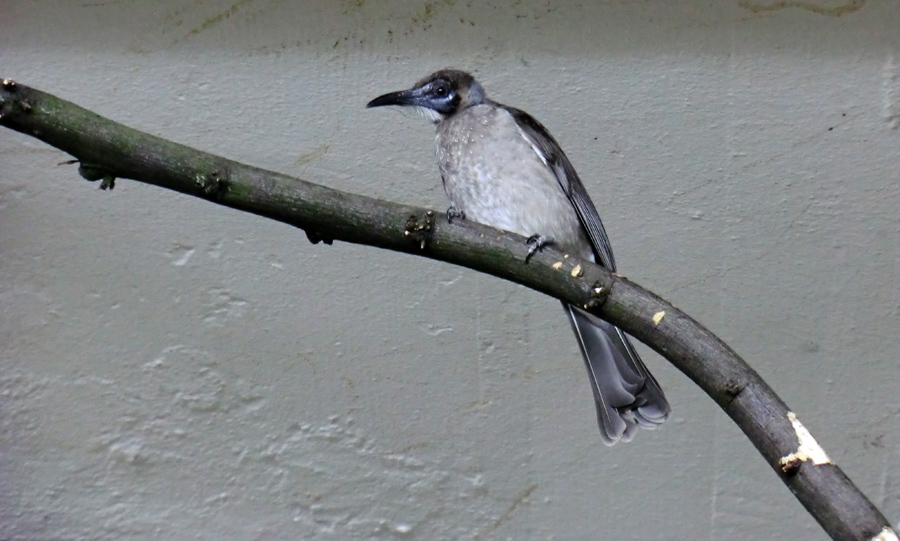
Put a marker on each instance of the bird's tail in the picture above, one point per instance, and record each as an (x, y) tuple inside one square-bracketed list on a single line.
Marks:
[(625, 392)]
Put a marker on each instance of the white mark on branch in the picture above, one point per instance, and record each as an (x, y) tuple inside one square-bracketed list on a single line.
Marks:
[(577, 271), (657, 317), (886, 534), (809, 448)]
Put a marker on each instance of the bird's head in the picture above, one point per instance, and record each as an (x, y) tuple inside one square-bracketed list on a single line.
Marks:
[(438, 96)]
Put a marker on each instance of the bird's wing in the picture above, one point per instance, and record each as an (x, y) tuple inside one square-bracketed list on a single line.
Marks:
[(551, 154)]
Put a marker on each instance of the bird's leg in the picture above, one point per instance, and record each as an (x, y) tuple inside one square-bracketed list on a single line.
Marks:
[(454, 212), (536, 243)]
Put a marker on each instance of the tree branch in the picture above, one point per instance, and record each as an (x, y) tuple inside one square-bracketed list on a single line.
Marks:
[(107, 150)]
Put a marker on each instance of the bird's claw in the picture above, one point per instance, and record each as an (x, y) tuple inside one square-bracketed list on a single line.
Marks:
[(536, 243), (454, 212)]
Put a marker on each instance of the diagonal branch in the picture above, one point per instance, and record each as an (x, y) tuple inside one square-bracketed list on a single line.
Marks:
[(107, 150)]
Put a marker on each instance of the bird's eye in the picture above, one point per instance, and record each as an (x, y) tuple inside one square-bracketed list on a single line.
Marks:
[(441, 91)]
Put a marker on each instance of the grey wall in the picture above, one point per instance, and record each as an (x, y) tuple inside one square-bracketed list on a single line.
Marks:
[(173, 369)]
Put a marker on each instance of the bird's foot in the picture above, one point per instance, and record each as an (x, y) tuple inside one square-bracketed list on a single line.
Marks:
[(454, 212), (536, 243)]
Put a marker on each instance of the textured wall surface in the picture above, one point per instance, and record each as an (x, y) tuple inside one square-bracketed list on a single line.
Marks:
[(174, 370)]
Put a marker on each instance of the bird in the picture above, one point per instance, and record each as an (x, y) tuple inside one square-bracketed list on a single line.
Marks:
[(502, 168)]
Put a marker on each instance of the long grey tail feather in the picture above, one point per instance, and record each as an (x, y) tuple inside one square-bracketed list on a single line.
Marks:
[(626, 394)]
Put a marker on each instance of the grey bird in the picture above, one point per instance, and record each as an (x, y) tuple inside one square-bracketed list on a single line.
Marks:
[(502, 168)]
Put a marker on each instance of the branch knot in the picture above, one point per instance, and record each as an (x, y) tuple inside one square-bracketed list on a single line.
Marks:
[(213, 184), (420, 229)]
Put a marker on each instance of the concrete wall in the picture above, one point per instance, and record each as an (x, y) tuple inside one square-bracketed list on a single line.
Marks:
[(174, 370)]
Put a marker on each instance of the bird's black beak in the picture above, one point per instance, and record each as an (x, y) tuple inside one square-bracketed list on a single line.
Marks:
[(402, 97)]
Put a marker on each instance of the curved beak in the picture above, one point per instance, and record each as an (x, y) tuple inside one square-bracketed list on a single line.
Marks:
[(401, 97)]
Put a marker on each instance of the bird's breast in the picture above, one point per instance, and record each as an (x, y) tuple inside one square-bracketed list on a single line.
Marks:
[(494, 175)]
